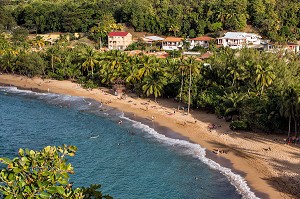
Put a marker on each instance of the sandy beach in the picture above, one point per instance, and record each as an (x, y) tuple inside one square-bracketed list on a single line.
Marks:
[(270, 167)]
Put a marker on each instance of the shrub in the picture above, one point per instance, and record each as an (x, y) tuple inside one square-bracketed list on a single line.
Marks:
[(239, 125)]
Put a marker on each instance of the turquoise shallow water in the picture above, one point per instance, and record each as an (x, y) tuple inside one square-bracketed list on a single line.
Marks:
[(129, 160)]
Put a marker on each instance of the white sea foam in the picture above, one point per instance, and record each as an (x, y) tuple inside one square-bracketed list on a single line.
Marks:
[(192, 149), (51, 96), (197, 151)]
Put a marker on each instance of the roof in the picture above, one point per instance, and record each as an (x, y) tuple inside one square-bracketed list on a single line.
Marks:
[(173, 39), (154, 38), (206, 55), (120, 34), (239, 35), (292, 43), (202, 38)]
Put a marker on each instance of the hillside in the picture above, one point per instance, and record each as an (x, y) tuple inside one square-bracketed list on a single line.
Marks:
[(277, 20)]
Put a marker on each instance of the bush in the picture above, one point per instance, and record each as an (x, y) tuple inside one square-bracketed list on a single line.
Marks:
[(43, 174), (89, 84), (239, 125)]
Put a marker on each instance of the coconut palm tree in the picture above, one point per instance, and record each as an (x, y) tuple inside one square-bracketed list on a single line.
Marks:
[(289, 106), (153, 84), (233, 103), (89, 56), (38, 41), (149, 64), (53, 53), (264, 76), (194, 68), (174, 28), (182, 69)]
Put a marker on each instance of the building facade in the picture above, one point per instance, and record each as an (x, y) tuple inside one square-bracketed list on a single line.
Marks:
[(172, 43), (236, 40), (200, 41), (119, 40)]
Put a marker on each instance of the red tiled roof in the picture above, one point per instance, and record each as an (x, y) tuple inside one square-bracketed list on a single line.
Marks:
[(120, 34), (203, 38), (173, 39)]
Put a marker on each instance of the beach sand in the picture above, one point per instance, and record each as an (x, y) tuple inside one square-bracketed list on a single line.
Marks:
[(269, 173)]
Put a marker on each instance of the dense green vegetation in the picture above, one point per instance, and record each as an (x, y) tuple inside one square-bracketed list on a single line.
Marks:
[(252, 89), (255, 90), (276, 19), (43, 174)]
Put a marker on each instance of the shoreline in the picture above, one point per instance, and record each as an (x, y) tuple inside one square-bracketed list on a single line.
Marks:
[(266, 172)]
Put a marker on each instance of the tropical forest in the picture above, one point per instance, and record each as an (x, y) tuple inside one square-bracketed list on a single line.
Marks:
[(250, 88)]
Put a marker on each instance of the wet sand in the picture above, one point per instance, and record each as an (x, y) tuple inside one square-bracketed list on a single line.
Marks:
[(269, 173)]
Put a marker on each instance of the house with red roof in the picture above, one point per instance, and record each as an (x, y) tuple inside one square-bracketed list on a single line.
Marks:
[(119, 40), (202, 41)]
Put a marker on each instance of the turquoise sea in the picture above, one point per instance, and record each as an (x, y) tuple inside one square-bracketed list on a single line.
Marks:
[(130, 160)]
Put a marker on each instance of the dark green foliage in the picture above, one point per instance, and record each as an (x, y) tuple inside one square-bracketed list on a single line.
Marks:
[(239, 125), (278, 20), (259, 88), (43, 174)]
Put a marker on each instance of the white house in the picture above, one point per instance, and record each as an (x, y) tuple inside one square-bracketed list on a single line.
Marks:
[(239, 39), (172, 43), (202, 41), (293, 47), (152, 39), (119, 40)]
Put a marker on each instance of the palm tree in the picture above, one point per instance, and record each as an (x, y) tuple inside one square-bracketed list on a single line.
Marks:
[(174, 28), (53, 51), (153, 84), (193, 68), (148, 66), (265, 76), (89, 56), (116, 63), (38, 41), (132, 70), (289, 107), (233, 103), (8, 60), (182, 69)]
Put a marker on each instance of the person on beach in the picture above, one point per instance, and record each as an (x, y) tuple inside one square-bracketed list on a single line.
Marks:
[(120, 122), (152, 117)]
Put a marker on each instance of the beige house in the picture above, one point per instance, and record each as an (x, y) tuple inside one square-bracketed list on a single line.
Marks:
[(119, 40)]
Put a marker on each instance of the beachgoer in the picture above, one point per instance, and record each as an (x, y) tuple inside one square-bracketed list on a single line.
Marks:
[(120, 122), (152, 117)]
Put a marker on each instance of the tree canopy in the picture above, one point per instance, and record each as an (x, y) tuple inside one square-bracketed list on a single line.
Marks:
[(42, 174), (278, 20)]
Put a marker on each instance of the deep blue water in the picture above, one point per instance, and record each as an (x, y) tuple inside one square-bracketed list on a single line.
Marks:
[(129, 160)]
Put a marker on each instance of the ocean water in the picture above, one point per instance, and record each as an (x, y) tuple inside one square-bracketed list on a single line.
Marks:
[(130, 160)]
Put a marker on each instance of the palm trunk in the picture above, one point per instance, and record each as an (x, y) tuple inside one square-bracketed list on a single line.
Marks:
[(189, 104), (181, 87), (52, 63), (295, 127), (289, 133), (262, 90)]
